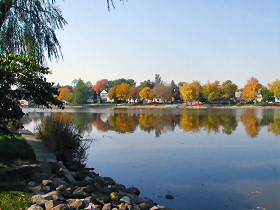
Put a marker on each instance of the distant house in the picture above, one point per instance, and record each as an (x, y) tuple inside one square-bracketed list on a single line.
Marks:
[(23, 102), (104, 96)]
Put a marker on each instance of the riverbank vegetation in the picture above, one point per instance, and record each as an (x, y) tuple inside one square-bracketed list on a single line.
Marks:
[(126, 91)]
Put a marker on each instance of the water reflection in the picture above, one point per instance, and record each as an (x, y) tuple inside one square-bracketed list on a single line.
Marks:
[(162, 121)]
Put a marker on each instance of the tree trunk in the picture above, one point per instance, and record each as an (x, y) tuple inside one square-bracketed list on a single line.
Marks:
[(5, 7)]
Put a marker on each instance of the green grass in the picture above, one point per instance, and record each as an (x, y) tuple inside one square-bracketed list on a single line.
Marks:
[(15, 151), (14, 200)]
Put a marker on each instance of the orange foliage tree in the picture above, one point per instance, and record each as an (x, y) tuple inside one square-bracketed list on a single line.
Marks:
[(133, 92), (100, 85), (122, 91), (251, 89), (190, 91), (275, 88), (65, 94), (147, 93)]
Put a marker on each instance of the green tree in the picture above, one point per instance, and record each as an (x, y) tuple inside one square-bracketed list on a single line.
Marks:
[(228, 90), (275, 88), (22, 77), (266, 93), (117, 82), (82, 92), (211, 91), (175, 90), (28, 27)]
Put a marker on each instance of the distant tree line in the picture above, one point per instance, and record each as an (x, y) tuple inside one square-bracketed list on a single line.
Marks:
[(125, 90)]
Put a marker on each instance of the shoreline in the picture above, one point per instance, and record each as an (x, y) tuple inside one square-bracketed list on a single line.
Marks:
[(173, 106)]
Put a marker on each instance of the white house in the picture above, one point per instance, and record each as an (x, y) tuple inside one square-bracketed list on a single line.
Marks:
[(104, 96)]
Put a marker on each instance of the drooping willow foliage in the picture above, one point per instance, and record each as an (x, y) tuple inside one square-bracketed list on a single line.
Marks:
[(29, 27)]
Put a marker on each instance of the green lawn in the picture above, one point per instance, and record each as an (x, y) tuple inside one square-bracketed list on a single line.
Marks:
[(14, 151)]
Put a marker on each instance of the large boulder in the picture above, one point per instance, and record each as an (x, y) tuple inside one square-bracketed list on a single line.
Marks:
[(80, 192), (51, 203), (35, 207), (77, 205), (108, 181), (61, 207), (133, 190), (40, 199)]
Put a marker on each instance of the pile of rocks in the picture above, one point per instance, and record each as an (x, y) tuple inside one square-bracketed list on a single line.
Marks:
[(57, 188)]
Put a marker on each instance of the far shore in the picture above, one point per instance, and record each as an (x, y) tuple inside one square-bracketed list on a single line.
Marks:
[(172, 106)]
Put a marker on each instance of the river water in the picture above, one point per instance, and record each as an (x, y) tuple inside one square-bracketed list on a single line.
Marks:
[(207, 159)]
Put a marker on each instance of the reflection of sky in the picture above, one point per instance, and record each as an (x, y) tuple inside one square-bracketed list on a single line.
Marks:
[(202, 170)]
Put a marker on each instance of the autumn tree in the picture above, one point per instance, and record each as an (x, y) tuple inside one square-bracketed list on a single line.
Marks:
[(112, 94), (275, 88), (251, 89), (190, 91), (147, 94), (163, 92), (228, 90), (122, 91), (65, 94), (100, 85), (133, 93), (211, 91)]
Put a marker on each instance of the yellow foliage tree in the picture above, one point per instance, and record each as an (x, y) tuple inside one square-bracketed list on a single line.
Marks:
[(147, 93), (122, 91), (251, 89), (275, 88), (190, 91), (65, 94), (212, 91)]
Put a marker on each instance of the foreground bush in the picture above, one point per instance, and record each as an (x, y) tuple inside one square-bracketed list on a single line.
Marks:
[(62, 136)]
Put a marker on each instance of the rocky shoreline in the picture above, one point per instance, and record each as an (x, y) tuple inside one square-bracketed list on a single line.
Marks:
[(59, 188)]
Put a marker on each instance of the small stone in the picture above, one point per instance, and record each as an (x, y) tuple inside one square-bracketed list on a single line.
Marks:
[(80, 193), (133, 190), (77, 205), (107, 206), (35, 207), (169, 197), (40, 199), (67, 194), (55, 195), (61, 207), (88, 180), (108, 181), (50, 204), (125, 199)]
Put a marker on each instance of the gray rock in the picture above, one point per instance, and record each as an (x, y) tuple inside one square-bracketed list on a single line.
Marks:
[(88, 180), (107, 206), (61, 207), (32, 184), (39, 177), (50, 204), (133, 190), (102, 189), (169, 197), (108, 181), (67, 194), (60, 188), (77, 205), (99, 180), (80, 193), (101, 198), (126, 199), (40, 199), (35, 207), (55, 195)]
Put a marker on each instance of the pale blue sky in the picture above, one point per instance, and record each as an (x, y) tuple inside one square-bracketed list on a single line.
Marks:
[(183, 40)]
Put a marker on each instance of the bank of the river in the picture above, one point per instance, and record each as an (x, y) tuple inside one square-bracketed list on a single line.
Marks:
[(172, 106), (52, 186)]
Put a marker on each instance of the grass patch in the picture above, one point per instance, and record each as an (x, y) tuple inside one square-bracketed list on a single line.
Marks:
[(15, 151), (14, 200)]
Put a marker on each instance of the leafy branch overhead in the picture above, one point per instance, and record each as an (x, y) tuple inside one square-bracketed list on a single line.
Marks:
[(22, 77), (28, 27)]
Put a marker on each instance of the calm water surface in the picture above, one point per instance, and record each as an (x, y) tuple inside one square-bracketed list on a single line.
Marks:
[(207, 159)]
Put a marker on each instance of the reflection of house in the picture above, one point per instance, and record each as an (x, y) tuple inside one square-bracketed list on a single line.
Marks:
[(104, 96)]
